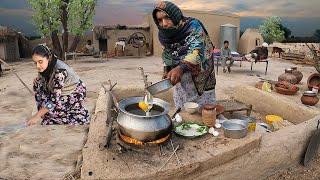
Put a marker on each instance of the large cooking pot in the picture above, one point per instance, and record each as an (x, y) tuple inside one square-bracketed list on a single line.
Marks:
[(134, 123)]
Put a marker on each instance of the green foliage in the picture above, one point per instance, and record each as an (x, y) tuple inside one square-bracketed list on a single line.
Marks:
[(47, 15), (287, 31), (81, 13), (271, 30), (317, 35)]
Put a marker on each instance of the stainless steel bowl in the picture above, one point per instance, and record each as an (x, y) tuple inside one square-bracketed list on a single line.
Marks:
[(235, 128), (160, 86)]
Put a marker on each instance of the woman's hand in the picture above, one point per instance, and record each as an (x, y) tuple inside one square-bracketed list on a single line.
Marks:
[(33, 120), (36, 80), (164, 75), (175, 75), (37, 117)]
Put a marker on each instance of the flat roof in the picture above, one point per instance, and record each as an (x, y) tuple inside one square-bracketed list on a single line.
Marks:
[(121, 27)]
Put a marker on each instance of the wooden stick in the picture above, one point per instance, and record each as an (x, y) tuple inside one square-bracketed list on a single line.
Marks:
[(24, 84), (178, 160), (168, 158)]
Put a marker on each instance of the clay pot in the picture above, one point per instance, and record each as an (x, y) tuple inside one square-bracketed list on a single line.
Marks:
[(309, 98), (286, 88), (297, 73), (313, 80), (288, 77)]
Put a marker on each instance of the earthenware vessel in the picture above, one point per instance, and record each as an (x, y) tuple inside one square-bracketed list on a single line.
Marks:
[(288, 77), (309, 98), (313, 80), (297, 73)]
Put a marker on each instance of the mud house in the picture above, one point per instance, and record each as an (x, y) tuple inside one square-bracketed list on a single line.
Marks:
[(13, 45), (133, 40), (249, 40), (9, 49)]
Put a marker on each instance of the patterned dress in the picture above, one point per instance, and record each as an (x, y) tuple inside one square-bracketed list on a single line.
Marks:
[(63, 109), (192, 50)]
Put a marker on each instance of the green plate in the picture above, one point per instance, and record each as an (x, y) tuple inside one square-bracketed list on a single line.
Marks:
[(191, 129)]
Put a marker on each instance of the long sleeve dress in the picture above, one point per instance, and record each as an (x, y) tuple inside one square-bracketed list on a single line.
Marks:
[(65, 104), (192, 51)]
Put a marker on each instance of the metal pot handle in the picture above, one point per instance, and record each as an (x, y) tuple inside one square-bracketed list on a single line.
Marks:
[(176, 112)]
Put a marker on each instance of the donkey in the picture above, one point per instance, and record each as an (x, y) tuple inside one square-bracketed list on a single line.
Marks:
[(277, 50)]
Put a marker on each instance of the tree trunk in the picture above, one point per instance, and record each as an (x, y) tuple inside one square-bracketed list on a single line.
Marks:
[(56, 44), (64, 21), (75, 43)]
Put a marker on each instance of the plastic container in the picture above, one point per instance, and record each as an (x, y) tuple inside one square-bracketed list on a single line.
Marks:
[(273, 118)]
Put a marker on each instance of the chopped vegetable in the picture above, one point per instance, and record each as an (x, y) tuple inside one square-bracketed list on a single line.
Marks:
[(189, 129)]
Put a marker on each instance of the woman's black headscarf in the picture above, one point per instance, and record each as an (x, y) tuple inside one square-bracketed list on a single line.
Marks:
[(174, 13)]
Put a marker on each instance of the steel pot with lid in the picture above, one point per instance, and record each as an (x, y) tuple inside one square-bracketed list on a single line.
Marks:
[(309, 98), (134, 123)]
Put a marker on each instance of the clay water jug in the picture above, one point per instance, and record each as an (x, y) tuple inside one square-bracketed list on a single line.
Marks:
[(288, 77), (297, 73)]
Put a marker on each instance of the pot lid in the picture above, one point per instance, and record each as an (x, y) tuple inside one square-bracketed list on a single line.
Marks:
[(289, 70), (309, 93)]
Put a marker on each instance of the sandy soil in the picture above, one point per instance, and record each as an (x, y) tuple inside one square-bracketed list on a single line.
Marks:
[(311, 172), (41, 152), (16, 105)]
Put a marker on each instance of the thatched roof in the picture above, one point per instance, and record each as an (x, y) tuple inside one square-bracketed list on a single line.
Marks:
[(7, 33), (101, 31)]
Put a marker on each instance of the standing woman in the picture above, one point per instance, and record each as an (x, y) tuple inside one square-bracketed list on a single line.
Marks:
[(59, 92), (186, 56)]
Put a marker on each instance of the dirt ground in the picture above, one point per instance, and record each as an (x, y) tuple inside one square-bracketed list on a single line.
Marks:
[(311, 172), (16, 104)]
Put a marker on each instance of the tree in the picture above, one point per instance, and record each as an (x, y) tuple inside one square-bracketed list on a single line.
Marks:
[(317, 35), (81, 19), (287, 31), (54, 17), (271, 30), (48, 25)]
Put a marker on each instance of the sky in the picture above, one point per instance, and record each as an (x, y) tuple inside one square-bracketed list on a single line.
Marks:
[(302, 17)]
